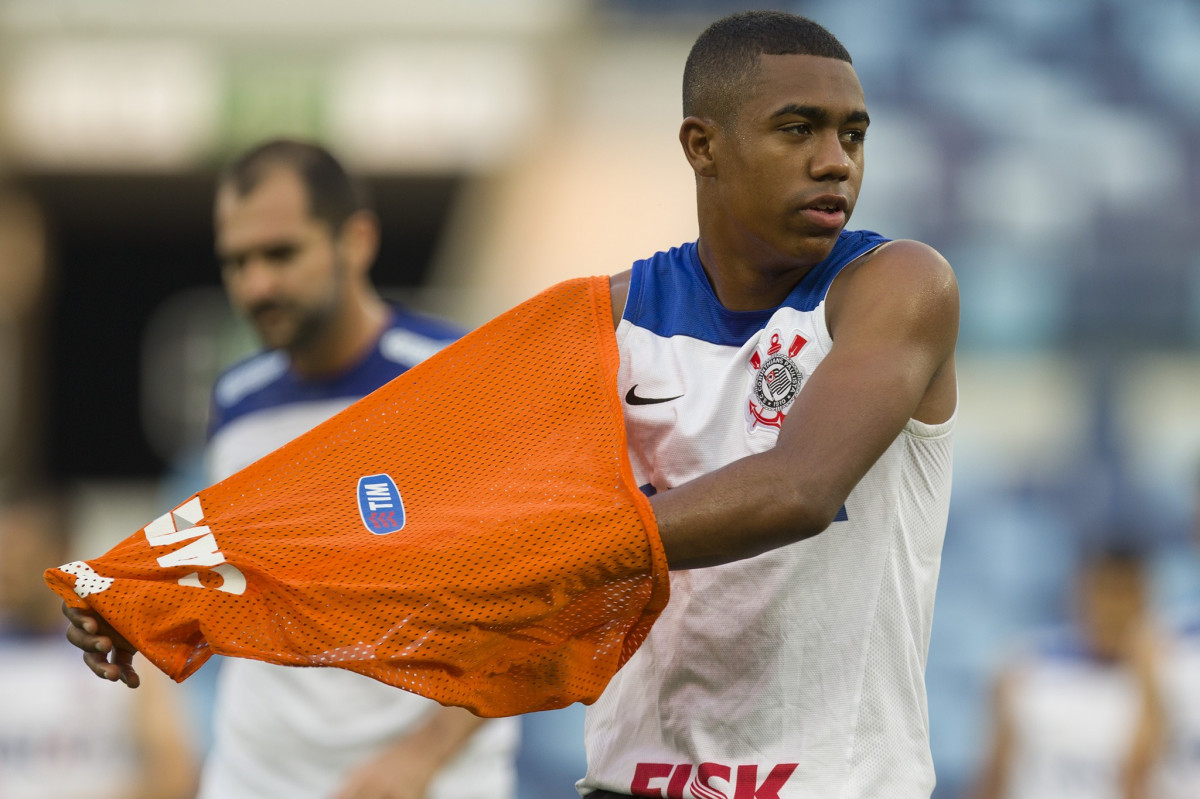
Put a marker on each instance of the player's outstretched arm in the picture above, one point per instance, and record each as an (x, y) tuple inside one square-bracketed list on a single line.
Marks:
[(1150, 732), (893, 317), (105, 651), (992, 782)]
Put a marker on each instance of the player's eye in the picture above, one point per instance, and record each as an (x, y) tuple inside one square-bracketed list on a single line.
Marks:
[(281, 254)]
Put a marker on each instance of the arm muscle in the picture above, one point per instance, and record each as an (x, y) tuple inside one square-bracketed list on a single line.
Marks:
[(893, 316)]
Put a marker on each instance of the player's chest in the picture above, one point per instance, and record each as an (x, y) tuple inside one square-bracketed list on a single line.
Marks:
[(707, 402)]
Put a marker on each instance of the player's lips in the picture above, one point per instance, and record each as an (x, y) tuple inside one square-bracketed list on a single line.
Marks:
[(267, 315), (827, 211)]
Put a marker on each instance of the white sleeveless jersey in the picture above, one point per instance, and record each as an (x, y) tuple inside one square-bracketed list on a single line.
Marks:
[(297, 732), (798, 673), (62, 732), (1074, 720), (1180, 773)]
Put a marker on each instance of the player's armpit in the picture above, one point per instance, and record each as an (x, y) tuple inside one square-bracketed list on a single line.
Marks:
[(618, 286), (893, 316)]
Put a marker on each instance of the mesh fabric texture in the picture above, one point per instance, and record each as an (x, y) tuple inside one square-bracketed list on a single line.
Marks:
[(528, 568)]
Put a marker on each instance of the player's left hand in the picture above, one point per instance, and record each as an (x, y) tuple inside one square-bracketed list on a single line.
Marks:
[(105, 651), (401, 771)]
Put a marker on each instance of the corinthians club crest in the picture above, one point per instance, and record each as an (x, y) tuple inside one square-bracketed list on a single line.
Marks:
[(776, 381)]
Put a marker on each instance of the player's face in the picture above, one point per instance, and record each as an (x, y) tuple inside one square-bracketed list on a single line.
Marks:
[(279, 264), (790, 167), (1113, 598)]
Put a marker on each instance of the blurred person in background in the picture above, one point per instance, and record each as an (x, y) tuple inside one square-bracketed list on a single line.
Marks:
[(1180, 775), (24, 286), (296, 241), (59, 736), (1181, 694), (1081, 715)]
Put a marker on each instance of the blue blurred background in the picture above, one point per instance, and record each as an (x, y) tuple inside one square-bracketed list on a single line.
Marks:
[(1051, 150)]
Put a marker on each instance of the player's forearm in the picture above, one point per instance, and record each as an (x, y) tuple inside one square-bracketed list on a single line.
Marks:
[(444, 733), (412, 762), (887, 359), (993, 781), (744, 509), (1150, 734)]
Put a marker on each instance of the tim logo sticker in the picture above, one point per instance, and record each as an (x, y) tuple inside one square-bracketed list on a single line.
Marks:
[(379, 504)]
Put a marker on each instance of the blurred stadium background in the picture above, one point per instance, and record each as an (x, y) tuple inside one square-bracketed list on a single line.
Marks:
[(1050, 149)]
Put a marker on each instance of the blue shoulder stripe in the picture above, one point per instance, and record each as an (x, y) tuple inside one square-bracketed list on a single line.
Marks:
[(265, 380), (670, 295)]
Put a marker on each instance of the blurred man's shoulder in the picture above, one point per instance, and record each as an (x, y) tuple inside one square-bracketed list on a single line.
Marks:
[(412, 336), (249, 376)]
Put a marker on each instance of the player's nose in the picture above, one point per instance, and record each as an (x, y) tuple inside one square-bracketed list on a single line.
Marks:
[(256, 281), (830, 161)]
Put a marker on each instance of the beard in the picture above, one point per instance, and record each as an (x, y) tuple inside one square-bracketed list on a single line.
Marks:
[(285, 323)]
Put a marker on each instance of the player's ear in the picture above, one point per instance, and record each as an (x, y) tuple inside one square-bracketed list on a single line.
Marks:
[(359, 240), (697, 135)]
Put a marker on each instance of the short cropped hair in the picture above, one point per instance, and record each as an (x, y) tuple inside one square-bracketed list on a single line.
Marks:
[(1116, 546), (725, 57), (333, 195)]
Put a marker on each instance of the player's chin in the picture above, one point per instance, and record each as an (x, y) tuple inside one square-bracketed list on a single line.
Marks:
[(814, 246), (275, 336)]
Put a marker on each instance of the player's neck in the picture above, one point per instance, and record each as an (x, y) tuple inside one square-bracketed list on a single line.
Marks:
[(749, 282), (345, 340)]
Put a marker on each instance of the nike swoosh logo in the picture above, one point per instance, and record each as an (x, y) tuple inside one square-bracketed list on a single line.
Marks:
[(633, 399)]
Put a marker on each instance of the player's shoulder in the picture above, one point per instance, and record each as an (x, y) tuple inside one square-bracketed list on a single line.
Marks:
[(412, 336), (249, 376), (905, 261), (1052, 648), (671, 272), (909, 281), (434, 327), (1183, 625)]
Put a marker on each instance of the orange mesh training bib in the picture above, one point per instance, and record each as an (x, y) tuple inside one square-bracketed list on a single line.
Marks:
[(471, 531)]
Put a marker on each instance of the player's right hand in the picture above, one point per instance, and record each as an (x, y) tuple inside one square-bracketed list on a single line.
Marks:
[(105, 651)]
